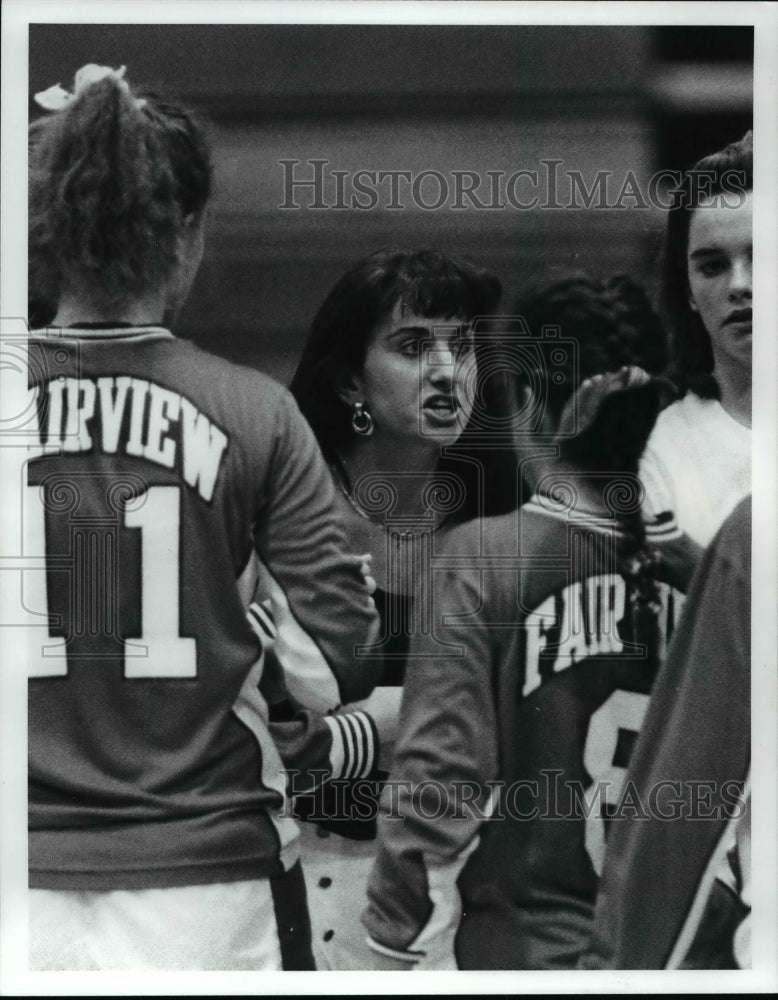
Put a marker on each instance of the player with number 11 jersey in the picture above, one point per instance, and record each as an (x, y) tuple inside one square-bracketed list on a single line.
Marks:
[(158, 834), (150, 760)]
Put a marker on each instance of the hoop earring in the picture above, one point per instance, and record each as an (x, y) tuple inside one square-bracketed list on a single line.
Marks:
[(361, 420)]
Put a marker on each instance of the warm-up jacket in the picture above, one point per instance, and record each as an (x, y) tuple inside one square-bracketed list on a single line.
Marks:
[(157, 471)]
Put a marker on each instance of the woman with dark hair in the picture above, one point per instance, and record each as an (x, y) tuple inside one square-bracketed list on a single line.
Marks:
[(389, 383), (158, 837), (376, 378), (698, 460), (522, 699)]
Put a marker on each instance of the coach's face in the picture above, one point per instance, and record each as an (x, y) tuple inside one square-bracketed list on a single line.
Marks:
[(418, 378)]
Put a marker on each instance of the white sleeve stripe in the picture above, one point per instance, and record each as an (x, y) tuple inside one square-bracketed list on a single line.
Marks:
[(411, 957), (361, 742), (665, 531), (338, 749), (362, 723), (309, 678), (264, 613), (443, 892), (259, 624), (352, 746), (657, 484), (251, 708), (691, 924)]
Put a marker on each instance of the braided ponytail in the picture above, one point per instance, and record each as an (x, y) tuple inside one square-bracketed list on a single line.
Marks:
[(112, 178), (606, 408), (639, 565), (611, 444)]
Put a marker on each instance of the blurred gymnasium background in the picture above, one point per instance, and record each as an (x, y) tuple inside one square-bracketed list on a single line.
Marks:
[(625, 100)]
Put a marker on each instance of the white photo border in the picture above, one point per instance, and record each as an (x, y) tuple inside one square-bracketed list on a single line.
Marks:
[(15, 980)]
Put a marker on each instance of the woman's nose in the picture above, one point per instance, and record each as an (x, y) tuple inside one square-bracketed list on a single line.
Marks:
[(740, 282), (441, 359)]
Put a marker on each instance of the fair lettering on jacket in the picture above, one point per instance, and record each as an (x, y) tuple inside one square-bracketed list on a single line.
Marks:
[(588, 626)]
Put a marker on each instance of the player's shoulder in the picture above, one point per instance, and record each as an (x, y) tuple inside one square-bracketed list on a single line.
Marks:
[(481, 536), (738, 524), (733, 540), (664, 461), (502, 541), (230, 391), (204, 365), (686, 414)]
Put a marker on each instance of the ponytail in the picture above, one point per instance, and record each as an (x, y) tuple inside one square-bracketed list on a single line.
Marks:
[(619, 410), (605, 409), (638, 564), (614, 427), (112, 177)]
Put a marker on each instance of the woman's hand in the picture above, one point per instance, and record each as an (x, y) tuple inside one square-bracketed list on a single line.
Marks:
[(365, 561), (383, 706)]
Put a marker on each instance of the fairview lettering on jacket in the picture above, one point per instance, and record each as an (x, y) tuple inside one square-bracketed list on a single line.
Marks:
[(134, 417), (583, 621)]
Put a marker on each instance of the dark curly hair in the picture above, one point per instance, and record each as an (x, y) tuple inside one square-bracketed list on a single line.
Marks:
[(614, 325), (112, 176), (430, 283), (426, 282), (728, 172)]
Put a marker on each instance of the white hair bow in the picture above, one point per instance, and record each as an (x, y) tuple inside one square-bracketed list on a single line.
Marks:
[(56, 98)]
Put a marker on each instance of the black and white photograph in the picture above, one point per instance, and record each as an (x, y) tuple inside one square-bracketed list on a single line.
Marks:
[(389, 472)]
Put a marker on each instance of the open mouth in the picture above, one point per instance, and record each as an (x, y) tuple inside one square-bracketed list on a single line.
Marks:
[(739, 317), (442, 408)]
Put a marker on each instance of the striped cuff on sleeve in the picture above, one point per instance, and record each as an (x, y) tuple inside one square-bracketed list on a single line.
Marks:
[(261, 620), (354, 744), (410, 957), (661, 527)]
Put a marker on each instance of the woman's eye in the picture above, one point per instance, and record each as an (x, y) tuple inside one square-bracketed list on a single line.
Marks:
[(410, 348), (710, 268)]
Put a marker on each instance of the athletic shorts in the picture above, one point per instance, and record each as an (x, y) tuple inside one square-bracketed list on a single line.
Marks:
[(261, 925)]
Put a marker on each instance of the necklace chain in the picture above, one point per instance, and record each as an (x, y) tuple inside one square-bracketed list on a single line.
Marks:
[(341, 480)]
